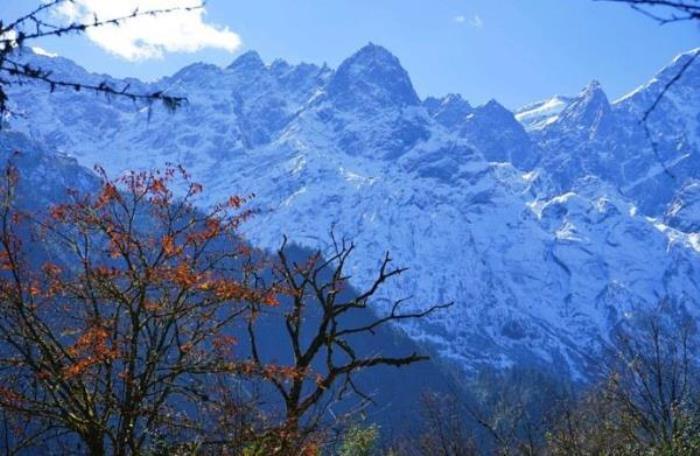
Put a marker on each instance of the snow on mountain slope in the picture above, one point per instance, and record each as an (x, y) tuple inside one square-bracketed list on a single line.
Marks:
[(533, 236), (684, 211), (538, 115)]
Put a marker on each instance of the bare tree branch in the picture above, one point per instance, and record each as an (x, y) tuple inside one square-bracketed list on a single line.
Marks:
[(320, 335), (665, 11), (15, 34)]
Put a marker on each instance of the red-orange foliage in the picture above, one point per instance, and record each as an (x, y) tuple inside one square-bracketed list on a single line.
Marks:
[(132, 305), (92, 348)]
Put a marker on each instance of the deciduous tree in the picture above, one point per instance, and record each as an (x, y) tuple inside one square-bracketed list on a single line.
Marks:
[(116, 311)]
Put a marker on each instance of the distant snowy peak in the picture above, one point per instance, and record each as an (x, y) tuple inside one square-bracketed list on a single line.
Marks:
[(248, 70), (248, 62), (689, 58), (450, 111), (538, 115), (588, 112), (372, 77), (498, 135)]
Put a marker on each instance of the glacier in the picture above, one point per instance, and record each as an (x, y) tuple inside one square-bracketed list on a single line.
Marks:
[(547, 227)]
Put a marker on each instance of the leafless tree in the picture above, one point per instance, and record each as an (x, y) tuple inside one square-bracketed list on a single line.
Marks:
[(321, 335), (653, 380), (646, 403), (511, 407), (444, 430)]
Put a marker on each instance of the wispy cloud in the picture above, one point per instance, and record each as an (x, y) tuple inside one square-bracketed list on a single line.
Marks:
[(150, 37), (474, 21)]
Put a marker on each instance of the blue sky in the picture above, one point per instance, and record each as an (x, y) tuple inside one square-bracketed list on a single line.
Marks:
[(515, 51)]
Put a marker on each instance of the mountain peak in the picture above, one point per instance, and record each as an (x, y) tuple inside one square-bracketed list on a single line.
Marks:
[(500, 137), (248, 61), (495, 110), (593, 86), (450, 111), (493, 105), (589, 108), (195, 70), (280, 65), (594, 90), (373, 73), (375, 52)]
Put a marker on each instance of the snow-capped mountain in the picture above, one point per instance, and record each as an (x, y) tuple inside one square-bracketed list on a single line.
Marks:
[(547, 227)]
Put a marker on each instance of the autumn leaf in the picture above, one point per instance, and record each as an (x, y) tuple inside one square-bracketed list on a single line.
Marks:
[(169, 246)]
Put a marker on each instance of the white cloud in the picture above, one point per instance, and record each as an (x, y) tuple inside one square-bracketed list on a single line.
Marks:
[(476, 21), (149, 37), (460, 19)]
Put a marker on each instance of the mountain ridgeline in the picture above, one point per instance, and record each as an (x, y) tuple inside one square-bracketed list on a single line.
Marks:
[(548, 227)]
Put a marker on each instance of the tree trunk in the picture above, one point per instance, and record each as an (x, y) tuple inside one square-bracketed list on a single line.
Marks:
[(95, 444)]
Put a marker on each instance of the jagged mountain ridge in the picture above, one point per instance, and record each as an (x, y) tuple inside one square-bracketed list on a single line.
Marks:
[(543, 245), (591, 135)]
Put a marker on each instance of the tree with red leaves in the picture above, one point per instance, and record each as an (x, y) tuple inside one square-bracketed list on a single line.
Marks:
[(111, 332)]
